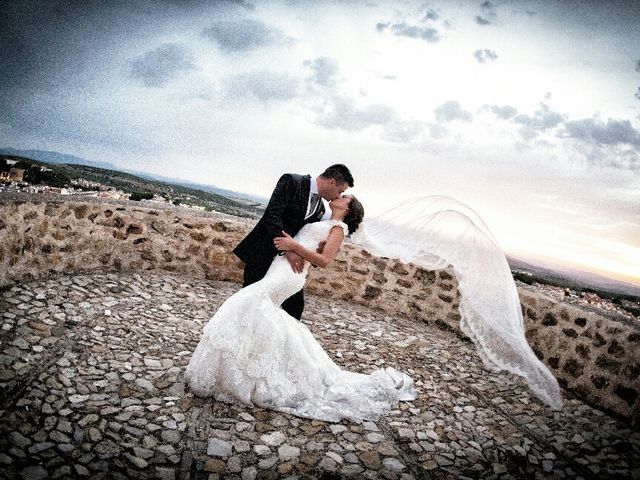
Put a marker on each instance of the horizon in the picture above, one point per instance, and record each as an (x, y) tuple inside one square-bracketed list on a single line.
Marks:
[(527, 111), (539, 262)]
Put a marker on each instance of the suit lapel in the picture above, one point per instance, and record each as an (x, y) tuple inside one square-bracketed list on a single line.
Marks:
[(317, 215), (320, 210), (304, 196)]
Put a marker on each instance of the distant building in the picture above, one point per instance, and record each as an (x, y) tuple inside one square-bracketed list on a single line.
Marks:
[(16, 175), (4, 177), (62, 191), (111, 194), (86, 183)]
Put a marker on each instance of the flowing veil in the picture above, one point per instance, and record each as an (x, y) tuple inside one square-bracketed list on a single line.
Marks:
[(436, 231)]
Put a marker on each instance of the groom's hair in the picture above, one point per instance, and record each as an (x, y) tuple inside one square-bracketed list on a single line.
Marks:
[(340, 173)]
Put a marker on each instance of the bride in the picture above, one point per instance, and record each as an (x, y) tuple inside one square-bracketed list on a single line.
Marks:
[(253, 352)]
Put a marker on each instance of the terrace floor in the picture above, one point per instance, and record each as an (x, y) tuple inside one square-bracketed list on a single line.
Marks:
[(91, 374)]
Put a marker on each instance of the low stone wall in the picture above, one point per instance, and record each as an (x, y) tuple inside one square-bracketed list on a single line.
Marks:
[(594, 356), (50, 237), (42, 238)]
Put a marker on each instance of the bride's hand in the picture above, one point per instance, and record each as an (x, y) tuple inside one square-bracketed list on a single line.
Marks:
[(285, 242)]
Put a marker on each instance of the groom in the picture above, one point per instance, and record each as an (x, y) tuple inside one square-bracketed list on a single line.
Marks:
[(295, 201)]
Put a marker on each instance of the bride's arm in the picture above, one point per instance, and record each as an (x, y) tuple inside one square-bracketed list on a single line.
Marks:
[(286, 243)]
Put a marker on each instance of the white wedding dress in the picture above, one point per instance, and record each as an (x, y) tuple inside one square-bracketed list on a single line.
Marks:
[(252, 351)]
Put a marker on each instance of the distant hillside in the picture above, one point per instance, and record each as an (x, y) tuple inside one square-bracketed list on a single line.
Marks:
[(63, 158), (54, 157), (207, 188), (62, 174), (574, 279)]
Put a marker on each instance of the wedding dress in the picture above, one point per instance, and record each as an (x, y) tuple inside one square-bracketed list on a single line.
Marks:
[(252, 351), (436, 231)]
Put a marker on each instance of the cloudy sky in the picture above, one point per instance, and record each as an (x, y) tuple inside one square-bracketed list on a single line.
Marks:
[(528, 111)]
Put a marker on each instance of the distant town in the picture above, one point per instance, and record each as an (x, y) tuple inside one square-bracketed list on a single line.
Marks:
[(13, 179), (21, 174)]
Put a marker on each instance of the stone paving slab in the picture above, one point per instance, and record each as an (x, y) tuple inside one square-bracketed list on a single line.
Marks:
[(91, 375)]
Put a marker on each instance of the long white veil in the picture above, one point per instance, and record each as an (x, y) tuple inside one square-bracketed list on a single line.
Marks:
[(436, 231)]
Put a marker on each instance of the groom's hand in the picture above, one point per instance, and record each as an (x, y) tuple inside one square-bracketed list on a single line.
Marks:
[(295, 260)]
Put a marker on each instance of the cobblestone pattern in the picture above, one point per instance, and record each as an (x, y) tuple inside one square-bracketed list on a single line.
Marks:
[(71, 237), (595, 356), (598, 361), (92, 387)]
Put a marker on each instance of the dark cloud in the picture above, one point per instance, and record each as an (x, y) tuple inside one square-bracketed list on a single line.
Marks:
[(405, 30), (637, 94), (49, 44), (160, 66), (45, 44), (431, 15), (264, 86), (638, 66), (51, 117), (593, 130), (324, 71), (242, 35), (451, 110), (488, 14), (484, 56), (246, 5), (542, 119), (504, 112), (225, 4)]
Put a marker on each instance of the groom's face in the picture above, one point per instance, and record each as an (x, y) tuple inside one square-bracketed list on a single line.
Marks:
[(333, 190)]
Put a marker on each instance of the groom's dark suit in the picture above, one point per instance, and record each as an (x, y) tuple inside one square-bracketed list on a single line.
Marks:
[(286, 211)]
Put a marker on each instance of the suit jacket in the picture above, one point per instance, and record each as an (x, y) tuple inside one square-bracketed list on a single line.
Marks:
[(285, 211)]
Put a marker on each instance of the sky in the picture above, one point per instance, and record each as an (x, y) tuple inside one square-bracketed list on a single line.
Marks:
[(527, 111)]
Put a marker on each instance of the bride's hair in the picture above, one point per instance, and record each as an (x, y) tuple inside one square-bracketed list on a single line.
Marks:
[(354, 215)]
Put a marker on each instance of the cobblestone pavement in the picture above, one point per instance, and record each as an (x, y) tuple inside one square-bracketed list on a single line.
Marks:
[(91, 382)]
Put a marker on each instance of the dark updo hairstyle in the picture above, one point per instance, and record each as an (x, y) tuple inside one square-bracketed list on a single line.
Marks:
[(354, 215)]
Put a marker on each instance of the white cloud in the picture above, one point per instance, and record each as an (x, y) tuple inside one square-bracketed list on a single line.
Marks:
[(263, 85), (485, 56), (324, 71), (450, 111)]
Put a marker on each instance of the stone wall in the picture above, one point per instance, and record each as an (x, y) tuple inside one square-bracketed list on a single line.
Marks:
[(594, 356), (41, 238), (50, 237)]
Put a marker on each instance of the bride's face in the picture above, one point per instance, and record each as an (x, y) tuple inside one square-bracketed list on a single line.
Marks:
[(340, 203)]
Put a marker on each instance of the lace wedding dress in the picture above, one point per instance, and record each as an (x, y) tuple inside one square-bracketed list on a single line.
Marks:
[(252, 351), (436, 231)]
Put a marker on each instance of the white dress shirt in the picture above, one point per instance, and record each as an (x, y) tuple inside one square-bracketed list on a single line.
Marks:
[(313, 189)]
